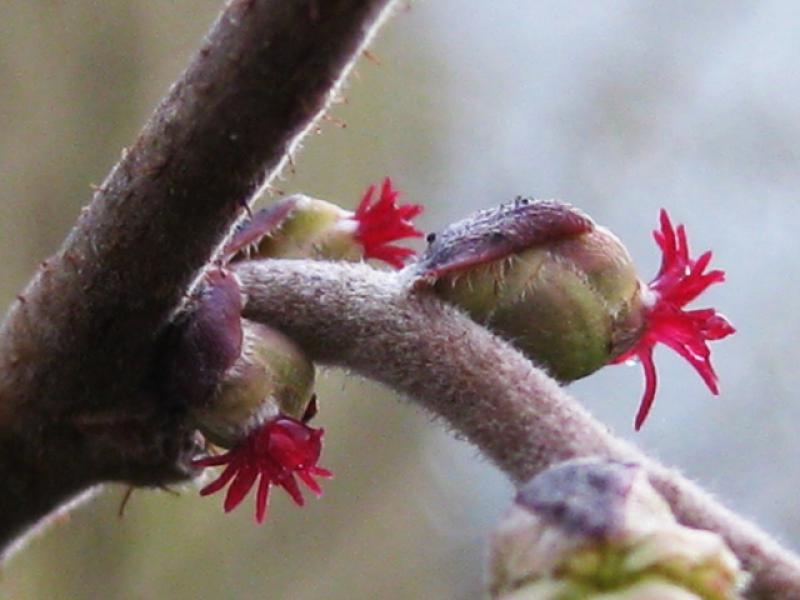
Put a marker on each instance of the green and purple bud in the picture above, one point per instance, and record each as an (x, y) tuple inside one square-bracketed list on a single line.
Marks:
[(270, 377), (249, 389), (543, 275), (303, 227), (597, 529), (564, 290), (230, 373)]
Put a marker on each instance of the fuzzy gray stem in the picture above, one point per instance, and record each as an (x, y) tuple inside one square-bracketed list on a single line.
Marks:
[(368, 321), (78, 390)]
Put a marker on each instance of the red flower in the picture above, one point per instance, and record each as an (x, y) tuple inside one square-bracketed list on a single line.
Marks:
[(383, 222), (274, 453), (680, 280)]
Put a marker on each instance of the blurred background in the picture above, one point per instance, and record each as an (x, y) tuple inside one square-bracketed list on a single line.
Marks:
[(621, 107)]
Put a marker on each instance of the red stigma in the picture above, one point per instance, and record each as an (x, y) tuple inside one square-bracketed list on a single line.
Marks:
[(383, 222), (680, 280), (272, 454)]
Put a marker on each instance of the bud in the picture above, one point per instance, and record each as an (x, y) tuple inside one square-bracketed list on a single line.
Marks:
[(303, 227), (593, 528), (259, 411), (270, 377), (543, 275), (565, 292), (247, 388), (308, 228)]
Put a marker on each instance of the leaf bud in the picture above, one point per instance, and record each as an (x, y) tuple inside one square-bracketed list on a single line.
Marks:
[(271, 377), (230, 373), (543, 275), (303, 227), (597, 529)]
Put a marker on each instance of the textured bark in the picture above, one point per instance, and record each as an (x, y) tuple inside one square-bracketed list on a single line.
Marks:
[(373, 323), (78, 403)]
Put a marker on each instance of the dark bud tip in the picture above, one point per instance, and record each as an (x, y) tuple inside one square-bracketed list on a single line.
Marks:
[(260, 225), (206, 341), (497, 232), (581, 497)]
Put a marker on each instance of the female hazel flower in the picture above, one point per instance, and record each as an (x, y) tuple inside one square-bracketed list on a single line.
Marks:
[(564, 290), (384, 221), (273, 454), (680, 280), (303, 227), (259, 411), (248, 389)]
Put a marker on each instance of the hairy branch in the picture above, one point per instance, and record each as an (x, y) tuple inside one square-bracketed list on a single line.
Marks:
[(77, 399), (368, 321)]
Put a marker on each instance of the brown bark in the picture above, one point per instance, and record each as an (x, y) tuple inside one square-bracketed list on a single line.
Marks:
[(78, 400)]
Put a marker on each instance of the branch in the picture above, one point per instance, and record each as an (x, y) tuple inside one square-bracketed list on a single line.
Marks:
[(77, 351), (366, 320)]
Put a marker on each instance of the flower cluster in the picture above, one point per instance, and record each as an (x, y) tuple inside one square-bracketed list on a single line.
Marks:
[(383, 222), (273, 454), (680, 280), (571, 280), (283, 449)]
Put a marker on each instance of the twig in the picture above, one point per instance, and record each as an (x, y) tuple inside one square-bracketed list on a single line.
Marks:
[(367, 321), (77, 352)]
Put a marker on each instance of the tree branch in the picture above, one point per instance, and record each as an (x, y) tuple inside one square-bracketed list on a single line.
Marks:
[(78, 400), (368, 321), (77, 351)]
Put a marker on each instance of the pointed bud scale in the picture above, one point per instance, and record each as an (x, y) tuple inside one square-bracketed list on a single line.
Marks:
[(499, 232), (543, 275), (267, 222), (592, 528), (205, 342), (304, 227)]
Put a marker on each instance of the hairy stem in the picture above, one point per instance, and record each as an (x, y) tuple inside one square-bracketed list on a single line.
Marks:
[(370, 322), (77, 351)]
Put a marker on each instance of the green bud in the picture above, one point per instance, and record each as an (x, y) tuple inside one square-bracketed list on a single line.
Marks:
[(303, 227), (545, 277), (271, 376), (593, 529), (309, 228)]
